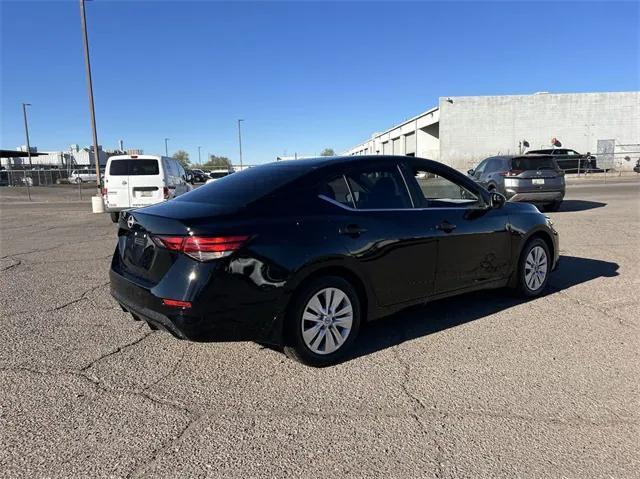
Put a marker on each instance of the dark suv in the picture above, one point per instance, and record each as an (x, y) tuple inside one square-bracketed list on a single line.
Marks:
[(570, 161), (530, 178)]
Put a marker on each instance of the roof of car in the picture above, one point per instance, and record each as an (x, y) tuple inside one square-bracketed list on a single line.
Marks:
[(333, 160)]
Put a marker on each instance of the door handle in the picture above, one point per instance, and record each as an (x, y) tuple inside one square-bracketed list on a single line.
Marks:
[(446, 227), (352, 230)]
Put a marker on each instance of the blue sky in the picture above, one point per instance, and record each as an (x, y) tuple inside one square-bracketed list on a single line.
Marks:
[(303, 75)]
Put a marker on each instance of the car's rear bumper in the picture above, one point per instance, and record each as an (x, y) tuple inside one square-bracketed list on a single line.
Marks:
[(535, 196), (204, 321)]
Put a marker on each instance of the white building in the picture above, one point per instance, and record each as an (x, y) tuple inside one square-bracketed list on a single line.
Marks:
[(461, 131)]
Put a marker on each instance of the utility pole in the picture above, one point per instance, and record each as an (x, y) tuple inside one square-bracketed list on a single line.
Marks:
[(240, 142), (85, 39), (26, 132), (199, 160), (166, 146)]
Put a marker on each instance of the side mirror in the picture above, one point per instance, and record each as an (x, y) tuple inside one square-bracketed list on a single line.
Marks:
[(497, 200), (471, 172)]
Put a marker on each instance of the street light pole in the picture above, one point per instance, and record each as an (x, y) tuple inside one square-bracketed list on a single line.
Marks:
[(240, 142), (26, 131), (87, 63), (199, 160), (166, 146)]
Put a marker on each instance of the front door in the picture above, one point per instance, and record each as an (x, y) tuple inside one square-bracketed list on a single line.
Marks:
[(473, 240)]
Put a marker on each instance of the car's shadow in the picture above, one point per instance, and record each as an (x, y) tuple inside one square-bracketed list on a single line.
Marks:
[(568, 206), (449, 313)]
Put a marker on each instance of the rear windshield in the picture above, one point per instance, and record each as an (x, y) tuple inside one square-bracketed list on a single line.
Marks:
[(244, 187), (133, 167), (525, 163)]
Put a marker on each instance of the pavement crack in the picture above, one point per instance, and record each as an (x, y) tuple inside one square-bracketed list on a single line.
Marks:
[(117, 350), (171, 372), (82, 297), (140, 469)]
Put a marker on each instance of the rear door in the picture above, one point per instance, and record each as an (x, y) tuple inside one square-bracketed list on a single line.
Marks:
[(378, 224), (117, 184), (145, 182)]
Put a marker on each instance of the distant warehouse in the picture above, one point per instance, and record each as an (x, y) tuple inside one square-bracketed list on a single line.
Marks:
[(460, 131)]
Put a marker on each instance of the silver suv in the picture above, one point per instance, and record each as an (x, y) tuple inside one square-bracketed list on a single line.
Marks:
[(532, 178)]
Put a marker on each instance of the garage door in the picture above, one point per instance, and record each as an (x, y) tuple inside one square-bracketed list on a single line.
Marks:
[(397, 147), (410, 144)]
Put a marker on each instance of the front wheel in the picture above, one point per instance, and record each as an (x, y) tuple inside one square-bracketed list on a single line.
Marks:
[(322, 321), (534, 267)]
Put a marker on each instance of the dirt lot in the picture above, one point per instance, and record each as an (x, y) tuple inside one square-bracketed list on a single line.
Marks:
[(479, 386)]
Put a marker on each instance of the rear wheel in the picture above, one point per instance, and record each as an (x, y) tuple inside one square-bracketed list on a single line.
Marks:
[(322, 321), (533, 268)]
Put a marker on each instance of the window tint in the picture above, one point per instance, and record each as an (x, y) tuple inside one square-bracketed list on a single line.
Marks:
[(119, 168), (246, 186), (133, 167), (143, 167), (437, 191), (379, 188), (337, 190), (525, 163)]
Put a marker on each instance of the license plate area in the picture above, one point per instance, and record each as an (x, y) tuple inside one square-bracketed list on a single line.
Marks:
[(538, 181)]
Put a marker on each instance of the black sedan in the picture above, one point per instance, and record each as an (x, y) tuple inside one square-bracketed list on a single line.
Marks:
[(301, 253)]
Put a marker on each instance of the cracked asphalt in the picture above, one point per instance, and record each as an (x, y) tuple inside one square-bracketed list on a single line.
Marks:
[(483, 385)]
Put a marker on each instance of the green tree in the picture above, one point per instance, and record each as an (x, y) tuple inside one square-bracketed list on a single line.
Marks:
[(328, 152), (217, 162), (183, 157)]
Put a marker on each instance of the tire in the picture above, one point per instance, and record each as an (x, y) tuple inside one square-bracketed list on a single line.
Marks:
[(531, 284), (115, 217), (321, 346), (551, 207)]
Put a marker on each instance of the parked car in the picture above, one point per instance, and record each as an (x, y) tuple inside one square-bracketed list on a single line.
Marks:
[(4, 178), (570, 161), (301, 254), (637, 167), (132, 181), (530, 178), (83, 176), (189, 176), (218, 173), (199, 176)]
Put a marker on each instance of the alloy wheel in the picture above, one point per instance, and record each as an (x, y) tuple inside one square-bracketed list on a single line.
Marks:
[(327, 320), (535, 268)]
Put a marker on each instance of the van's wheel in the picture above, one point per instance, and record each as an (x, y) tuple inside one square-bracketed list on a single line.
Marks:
[(115, 217), (322, 321), (534, 267)]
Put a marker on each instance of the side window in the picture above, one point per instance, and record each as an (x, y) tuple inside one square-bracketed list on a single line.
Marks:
[(336, 189), (379, 188), (492, 165), (477, 173), (440, 192)]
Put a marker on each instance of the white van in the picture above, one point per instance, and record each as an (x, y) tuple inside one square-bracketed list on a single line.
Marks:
[(133, 181)]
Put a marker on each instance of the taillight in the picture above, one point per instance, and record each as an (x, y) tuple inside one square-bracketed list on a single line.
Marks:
[(104, 192), (511, 173), (165, 192), (202, 248)]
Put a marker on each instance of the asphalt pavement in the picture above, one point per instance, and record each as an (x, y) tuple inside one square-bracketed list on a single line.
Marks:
[(483, 385)]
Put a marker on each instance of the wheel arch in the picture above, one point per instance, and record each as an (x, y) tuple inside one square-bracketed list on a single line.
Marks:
[(538, 233)]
